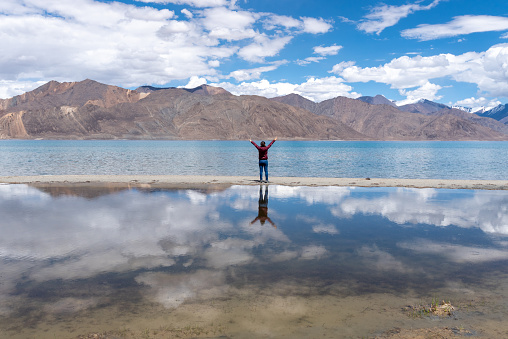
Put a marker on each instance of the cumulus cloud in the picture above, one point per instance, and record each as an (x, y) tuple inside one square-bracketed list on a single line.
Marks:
[(302, 25), (253, 73), (263, 47), (224, 23), (193, 3), (10, 88), (427, 91), (478, 102), (337, 68), (261, 87), (385, 16), (315, 89), (187, 13), (129, 46), (273, 21), (113, 43), (315, 26), (195, 81), (319, 89), (327, 50), (309, 60), (460, 25), (488, 70)]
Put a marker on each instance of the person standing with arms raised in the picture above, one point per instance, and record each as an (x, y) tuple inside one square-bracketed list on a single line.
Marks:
[(263, 158)]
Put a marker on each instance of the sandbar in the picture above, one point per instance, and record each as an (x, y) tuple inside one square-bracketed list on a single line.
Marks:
[(208, 181)]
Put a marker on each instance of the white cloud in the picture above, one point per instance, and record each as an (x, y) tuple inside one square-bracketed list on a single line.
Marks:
[(273, 21), (385, 16), (262, 87), (195, 81), (223, 23), (127, 45), (112, 43), (315, 26), (187, 13), (253, 73), (263, 47), (123, 44), (325, 51), (193, 3), (475, 103), (319, 89), (337, 68), (10, 88), (308, 60), (460, 25), (214, 63), (427, 91), (488, 70), (304, 25), (316, 89)]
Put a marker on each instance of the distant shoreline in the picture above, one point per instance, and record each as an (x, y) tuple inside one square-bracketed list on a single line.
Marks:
[(206, 181)]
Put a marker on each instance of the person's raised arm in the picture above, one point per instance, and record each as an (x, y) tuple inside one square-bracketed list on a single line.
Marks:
[(270, 145)]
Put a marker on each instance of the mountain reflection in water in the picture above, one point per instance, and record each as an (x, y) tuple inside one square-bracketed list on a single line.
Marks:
[(66, 254)]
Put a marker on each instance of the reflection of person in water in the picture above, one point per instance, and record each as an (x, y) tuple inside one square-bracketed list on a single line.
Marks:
[(263, 208)]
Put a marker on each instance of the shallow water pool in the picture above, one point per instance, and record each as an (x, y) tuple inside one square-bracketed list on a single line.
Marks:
[(251, 261)]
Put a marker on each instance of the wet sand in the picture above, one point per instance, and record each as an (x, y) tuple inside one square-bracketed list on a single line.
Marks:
[(200, 181)]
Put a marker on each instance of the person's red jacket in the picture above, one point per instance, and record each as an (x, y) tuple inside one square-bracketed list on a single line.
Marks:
[(263, 151)]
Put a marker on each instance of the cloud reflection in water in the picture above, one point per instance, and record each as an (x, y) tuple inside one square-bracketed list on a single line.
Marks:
[(184, 245)]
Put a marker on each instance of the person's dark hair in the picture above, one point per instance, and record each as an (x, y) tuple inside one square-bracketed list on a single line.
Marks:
[(263, 144)]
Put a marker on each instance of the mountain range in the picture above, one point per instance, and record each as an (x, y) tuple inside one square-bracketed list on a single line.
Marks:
[(92, 110)]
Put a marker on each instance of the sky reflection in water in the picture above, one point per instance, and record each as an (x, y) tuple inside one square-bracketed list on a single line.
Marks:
[(177, 246)]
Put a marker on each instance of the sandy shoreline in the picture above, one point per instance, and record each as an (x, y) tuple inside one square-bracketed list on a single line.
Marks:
[(200, 181)]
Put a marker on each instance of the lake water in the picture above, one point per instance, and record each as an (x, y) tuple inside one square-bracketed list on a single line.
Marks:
[(349, 159), (251, 262)]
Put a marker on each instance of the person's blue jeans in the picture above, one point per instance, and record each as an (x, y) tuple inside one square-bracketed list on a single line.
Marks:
[(263, 164)]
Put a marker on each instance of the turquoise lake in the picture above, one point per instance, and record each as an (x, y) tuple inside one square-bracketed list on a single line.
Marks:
[(350, 159)]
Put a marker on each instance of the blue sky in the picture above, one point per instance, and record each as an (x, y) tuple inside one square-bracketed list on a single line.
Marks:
[(448, 51)]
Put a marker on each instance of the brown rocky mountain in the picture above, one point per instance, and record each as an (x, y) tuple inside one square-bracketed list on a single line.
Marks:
[(485, 121), (91, 110), (88, 109), (385, 122), (377, 100), (427, 107)]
